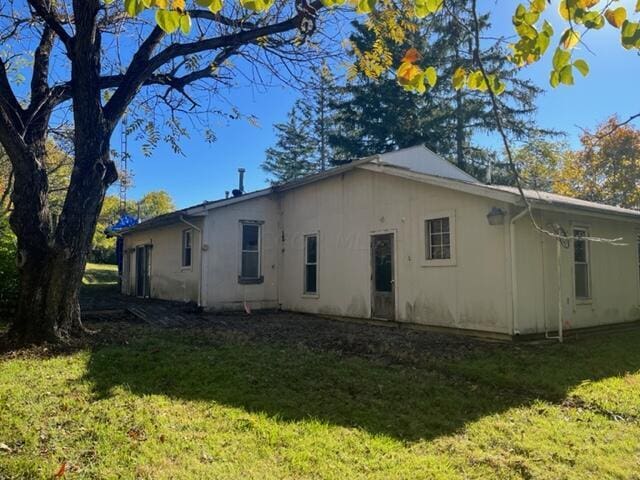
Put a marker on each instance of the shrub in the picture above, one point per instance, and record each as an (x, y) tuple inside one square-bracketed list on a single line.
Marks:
[(8, 269)]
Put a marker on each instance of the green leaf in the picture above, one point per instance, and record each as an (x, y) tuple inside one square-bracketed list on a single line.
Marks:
[(582, 67), (526, 31), (133, 7), (560, 58), (257, 5), (366, 6), (204, 3), (216, 6), (566, 75), (431, 76), (593, 20), (538, 6), (630, 34), (638, 7), (554, 80), (168, 20), (185, 24), (547, 28), (332, 3)]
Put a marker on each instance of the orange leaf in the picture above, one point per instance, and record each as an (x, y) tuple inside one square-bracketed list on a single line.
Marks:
[(407, 72), (411, 56), (61, 470)]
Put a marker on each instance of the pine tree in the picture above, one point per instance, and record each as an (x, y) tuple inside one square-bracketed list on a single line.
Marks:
[(302, 145), (376, 116)]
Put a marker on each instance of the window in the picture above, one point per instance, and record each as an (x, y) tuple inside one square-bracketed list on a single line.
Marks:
[(250, 261), (581, 263), (311, 264), (438, 238), (186, 248)]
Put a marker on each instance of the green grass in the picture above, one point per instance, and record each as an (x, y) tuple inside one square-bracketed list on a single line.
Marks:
[(164, 404), (100, 274)]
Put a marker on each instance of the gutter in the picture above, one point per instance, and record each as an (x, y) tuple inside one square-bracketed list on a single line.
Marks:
[(514, 279), (199, 230)]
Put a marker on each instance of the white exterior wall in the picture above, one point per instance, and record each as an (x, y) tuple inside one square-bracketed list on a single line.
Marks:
[(345, 210), (169, 280), (614, 274), (222, 234)]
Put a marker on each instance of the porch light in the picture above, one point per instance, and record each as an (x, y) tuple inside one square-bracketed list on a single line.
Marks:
[(496, 216)]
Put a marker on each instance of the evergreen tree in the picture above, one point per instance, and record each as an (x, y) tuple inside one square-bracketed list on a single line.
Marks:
[(302, 145), (376, 116)]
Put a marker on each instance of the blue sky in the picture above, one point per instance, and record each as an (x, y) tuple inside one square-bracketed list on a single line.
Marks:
[(207, 170)]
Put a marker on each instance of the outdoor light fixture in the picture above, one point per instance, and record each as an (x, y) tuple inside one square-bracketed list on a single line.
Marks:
[(496, 216)]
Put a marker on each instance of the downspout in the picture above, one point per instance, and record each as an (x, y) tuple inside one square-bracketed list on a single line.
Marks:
[(197, 229), (514, 281)]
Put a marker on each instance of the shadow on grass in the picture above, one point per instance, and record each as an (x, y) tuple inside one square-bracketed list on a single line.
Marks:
[(408, 402)]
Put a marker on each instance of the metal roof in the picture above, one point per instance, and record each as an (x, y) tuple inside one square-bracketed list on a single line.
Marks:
[(392, 163)]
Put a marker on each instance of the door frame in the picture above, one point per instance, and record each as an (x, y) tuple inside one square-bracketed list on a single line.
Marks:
[(146, 285), (394, 233)]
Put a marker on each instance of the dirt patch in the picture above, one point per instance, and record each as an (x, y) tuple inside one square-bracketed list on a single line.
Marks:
[(316, 333)]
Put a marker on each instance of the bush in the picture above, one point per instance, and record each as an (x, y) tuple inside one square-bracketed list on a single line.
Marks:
[(8, 269)]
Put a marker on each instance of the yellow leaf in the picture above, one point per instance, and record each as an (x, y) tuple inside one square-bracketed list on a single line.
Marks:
[(164, 4), (215, 6), (411, 56), (459, 77), (407, 72), (570, 39), (563, 10), (616, 17), (584, 4), (179, 5)]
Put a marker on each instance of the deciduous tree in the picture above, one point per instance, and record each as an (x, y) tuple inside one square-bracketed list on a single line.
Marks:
[(607, 167)]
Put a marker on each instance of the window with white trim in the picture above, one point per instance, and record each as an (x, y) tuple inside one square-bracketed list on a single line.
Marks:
[(250, 261), (186, 247), (311, 264), (438, 238), (581, 264)]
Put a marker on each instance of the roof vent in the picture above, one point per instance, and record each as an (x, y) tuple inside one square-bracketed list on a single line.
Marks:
[(236, 192)]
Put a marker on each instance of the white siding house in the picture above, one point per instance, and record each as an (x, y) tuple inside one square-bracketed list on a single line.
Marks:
[(399, 237)]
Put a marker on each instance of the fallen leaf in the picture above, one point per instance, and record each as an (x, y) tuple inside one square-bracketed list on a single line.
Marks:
[(61, 470), (5, 448)]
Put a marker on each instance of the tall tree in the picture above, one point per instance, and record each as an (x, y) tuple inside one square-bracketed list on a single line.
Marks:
[(303, 143), (539, 162), (376, 116), (607, 167), (77, 64)]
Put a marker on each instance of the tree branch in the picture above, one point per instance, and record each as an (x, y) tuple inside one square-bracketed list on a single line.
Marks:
[(8, 101), (52, 20), (142, 67)]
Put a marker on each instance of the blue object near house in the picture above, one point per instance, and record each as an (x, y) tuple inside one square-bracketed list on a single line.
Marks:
[(125, 221)]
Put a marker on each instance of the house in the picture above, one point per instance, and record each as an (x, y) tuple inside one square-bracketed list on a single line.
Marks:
[(400, 237)]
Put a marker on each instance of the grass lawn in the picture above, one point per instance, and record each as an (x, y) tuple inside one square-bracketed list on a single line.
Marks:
[(100, 274), (141, 402)]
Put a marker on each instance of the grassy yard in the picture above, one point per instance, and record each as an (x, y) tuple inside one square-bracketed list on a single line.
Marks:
[(100, 274), (139, 402)]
